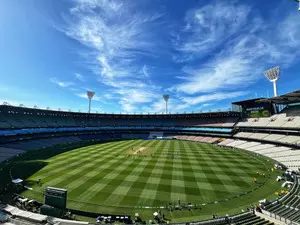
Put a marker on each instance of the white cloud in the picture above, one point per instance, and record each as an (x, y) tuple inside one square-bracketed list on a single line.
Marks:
[(221, 49), (130, 99), (212, 97), (289, 31), (79, 77), (116, 36), (128, 107), (61, 83), (144, 71), (249, 44), (217, 75), (195, 103), (209, 26), (136, 95), (174, 105)]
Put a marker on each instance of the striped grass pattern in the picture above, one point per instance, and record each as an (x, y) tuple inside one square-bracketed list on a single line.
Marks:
[(109, 175)]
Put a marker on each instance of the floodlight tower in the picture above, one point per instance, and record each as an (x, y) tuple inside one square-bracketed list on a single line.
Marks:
[(166, 98), (90, 95), (273, 76), (299, 4)]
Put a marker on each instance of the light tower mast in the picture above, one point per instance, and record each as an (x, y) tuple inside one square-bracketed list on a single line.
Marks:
[(273, 76), (166, 98), (90, 95)]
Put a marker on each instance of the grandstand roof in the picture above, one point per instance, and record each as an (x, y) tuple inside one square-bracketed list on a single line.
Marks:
[(247, 102), (289, 98)]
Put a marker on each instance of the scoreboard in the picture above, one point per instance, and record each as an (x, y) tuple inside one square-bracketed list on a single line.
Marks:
[(257, 111), (252, 108), (56, 197)]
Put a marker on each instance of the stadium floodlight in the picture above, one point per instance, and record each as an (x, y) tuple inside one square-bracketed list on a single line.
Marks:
[(21, 105), (299, 4), (166, 98), (90, 95), (273, 76)]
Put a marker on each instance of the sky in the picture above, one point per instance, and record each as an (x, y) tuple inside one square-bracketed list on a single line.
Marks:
[(205, 54)]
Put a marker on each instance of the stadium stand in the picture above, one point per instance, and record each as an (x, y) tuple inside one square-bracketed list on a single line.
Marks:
[(284, 155), (248, 218), (286, 208), (18, 216), (19, 117), (6, 153), (197, 138), (23, 129), (277, 121), (275, 136)]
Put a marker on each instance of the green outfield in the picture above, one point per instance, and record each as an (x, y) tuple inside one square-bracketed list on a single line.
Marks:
[(140, 175)]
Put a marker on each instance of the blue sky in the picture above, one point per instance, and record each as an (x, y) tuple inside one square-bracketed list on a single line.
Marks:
[(205, 54)]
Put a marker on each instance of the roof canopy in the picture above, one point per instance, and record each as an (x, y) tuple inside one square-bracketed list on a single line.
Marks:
[(289, 98), (247, 102)]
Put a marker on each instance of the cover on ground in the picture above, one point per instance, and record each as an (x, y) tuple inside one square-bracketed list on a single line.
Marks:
[(156, 135)]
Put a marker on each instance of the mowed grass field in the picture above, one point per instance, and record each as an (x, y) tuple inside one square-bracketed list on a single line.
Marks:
[(127, 176)]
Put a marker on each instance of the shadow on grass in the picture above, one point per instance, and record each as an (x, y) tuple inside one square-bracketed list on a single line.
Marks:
[(24, 169), (21, 169), (23, 166), (46, 153)]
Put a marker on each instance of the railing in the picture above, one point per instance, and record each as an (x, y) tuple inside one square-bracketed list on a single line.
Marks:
[(280, 218), (20, 222), (221, 220)]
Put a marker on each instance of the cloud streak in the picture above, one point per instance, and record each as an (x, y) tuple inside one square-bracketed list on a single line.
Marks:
[(63, 84), (212, 97), (116, 36), (79, 77), (209, 26), (238, 46), (216, 52)]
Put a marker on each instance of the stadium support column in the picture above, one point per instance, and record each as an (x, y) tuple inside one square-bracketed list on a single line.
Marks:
[(275, 88), (90, 95), (166, 98)]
